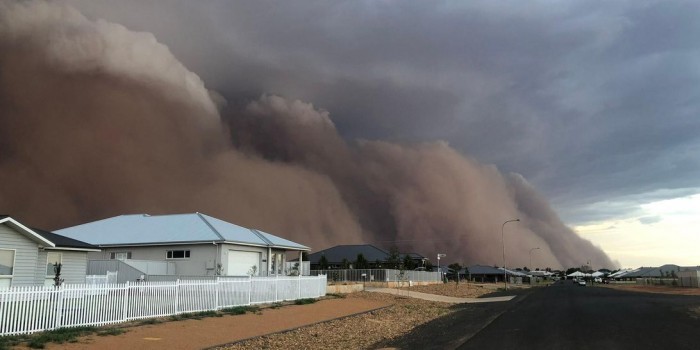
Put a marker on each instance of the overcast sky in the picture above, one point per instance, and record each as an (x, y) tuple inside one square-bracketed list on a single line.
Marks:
[(595, 103)]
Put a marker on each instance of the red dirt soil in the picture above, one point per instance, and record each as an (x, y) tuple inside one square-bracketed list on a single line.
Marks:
[(212, 331)]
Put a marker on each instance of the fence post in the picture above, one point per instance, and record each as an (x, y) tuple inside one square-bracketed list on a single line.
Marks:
[(216, 290), (299, 289), (250, 289), (59, 306), (126, 301), (177, 296), (276, 286)]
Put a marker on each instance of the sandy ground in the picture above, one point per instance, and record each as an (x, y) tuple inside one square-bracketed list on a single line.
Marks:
[(212, 331)]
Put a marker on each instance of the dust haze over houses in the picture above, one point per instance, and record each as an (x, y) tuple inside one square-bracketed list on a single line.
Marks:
[(423, 125)]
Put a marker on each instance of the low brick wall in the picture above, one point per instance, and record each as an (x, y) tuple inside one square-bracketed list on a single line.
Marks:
[(344, 288)]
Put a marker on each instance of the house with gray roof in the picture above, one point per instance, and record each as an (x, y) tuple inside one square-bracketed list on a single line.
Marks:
[(483, 273), (28, 256), (376, 257), (192, 244)]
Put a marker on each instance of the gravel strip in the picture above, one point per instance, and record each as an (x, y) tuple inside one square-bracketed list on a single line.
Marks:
[(452, 289), (357, 332)]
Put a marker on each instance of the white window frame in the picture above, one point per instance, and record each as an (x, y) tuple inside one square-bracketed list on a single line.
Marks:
[(60, 261), (186, 254), (113, 255), (14, 261)]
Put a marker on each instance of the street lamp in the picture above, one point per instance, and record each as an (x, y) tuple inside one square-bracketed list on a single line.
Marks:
[(438, 259), (505, 276), (531, 256)]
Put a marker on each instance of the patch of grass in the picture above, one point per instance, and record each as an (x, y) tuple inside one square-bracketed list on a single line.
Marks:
[(239, 310), (59, 336), (149, 321), (194, 315), (336, 295), (110, 331), (276, 305), (7, 342), (304, 301)]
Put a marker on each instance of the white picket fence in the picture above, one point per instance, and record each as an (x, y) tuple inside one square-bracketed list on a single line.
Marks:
[(38, 308)]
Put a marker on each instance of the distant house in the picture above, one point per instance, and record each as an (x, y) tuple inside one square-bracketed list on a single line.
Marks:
[(193, 244), (664, 271), (376, 257), (28, 255), (482, 273)]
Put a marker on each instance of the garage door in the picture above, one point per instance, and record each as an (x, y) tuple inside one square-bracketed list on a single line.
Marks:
[(240, 263)]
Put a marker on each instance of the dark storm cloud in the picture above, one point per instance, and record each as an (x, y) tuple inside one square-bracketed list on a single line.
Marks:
[(587, 100), (594, 103), (98, 120)]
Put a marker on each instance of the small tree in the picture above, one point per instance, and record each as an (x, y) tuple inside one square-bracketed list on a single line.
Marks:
[(429, 266), (323, 263), (57, 280), (394, 259), (408, 263), (456, 267), (345, 264), (361, 262)]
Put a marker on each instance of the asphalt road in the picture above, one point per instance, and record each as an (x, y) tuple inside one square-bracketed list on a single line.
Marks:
[(566, 316)]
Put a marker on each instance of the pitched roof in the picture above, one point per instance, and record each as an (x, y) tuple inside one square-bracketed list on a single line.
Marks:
[(64, 242), (144, 229), (44, 238), (335, 255), (484, 270), (650, 272), (26, 231)]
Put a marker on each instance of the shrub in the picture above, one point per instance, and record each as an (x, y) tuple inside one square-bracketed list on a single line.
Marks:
[(304, 301)]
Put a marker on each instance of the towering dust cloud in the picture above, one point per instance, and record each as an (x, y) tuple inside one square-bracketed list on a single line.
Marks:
[(97, 121)]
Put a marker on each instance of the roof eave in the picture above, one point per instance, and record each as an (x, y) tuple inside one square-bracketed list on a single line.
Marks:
[(74, 249), (28, 232)]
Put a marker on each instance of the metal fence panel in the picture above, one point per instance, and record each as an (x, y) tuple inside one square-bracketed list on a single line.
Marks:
[(37, 308), (377, 275)]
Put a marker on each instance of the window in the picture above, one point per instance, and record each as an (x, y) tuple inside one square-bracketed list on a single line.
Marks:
[(178, 254), (7, 262), (51, 259), (120, 255)]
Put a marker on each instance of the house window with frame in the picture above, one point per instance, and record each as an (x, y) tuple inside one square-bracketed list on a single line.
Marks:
[(51, 259), (120, 255), (177, 254), (7, 262)]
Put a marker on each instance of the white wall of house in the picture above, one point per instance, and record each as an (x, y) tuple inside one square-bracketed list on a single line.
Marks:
[(25, 257), (73, 269), (202, 260), (30, 262)]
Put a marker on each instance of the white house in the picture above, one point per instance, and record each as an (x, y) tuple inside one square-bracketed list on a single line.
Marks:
[(195, 244), (28, 255)]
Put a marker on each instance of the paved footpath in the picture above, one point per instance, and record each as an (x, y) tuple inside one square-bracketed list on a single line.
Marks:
[(440, 298)]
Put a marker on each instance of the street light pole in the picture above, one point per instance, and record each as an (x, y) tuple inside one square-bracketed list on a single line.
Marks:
[(531, 256), (438, 258), (505, 275)]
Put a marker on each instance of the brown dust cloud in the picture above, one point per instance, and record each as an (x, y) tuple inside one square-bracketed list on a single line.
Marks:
[(97, 121)]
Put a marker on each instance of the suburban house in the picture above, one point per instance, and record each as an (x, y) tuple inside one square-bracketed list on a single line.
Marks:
[(482, 273), (664, 271), (186, 244), (28, 255), (339, 255)]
